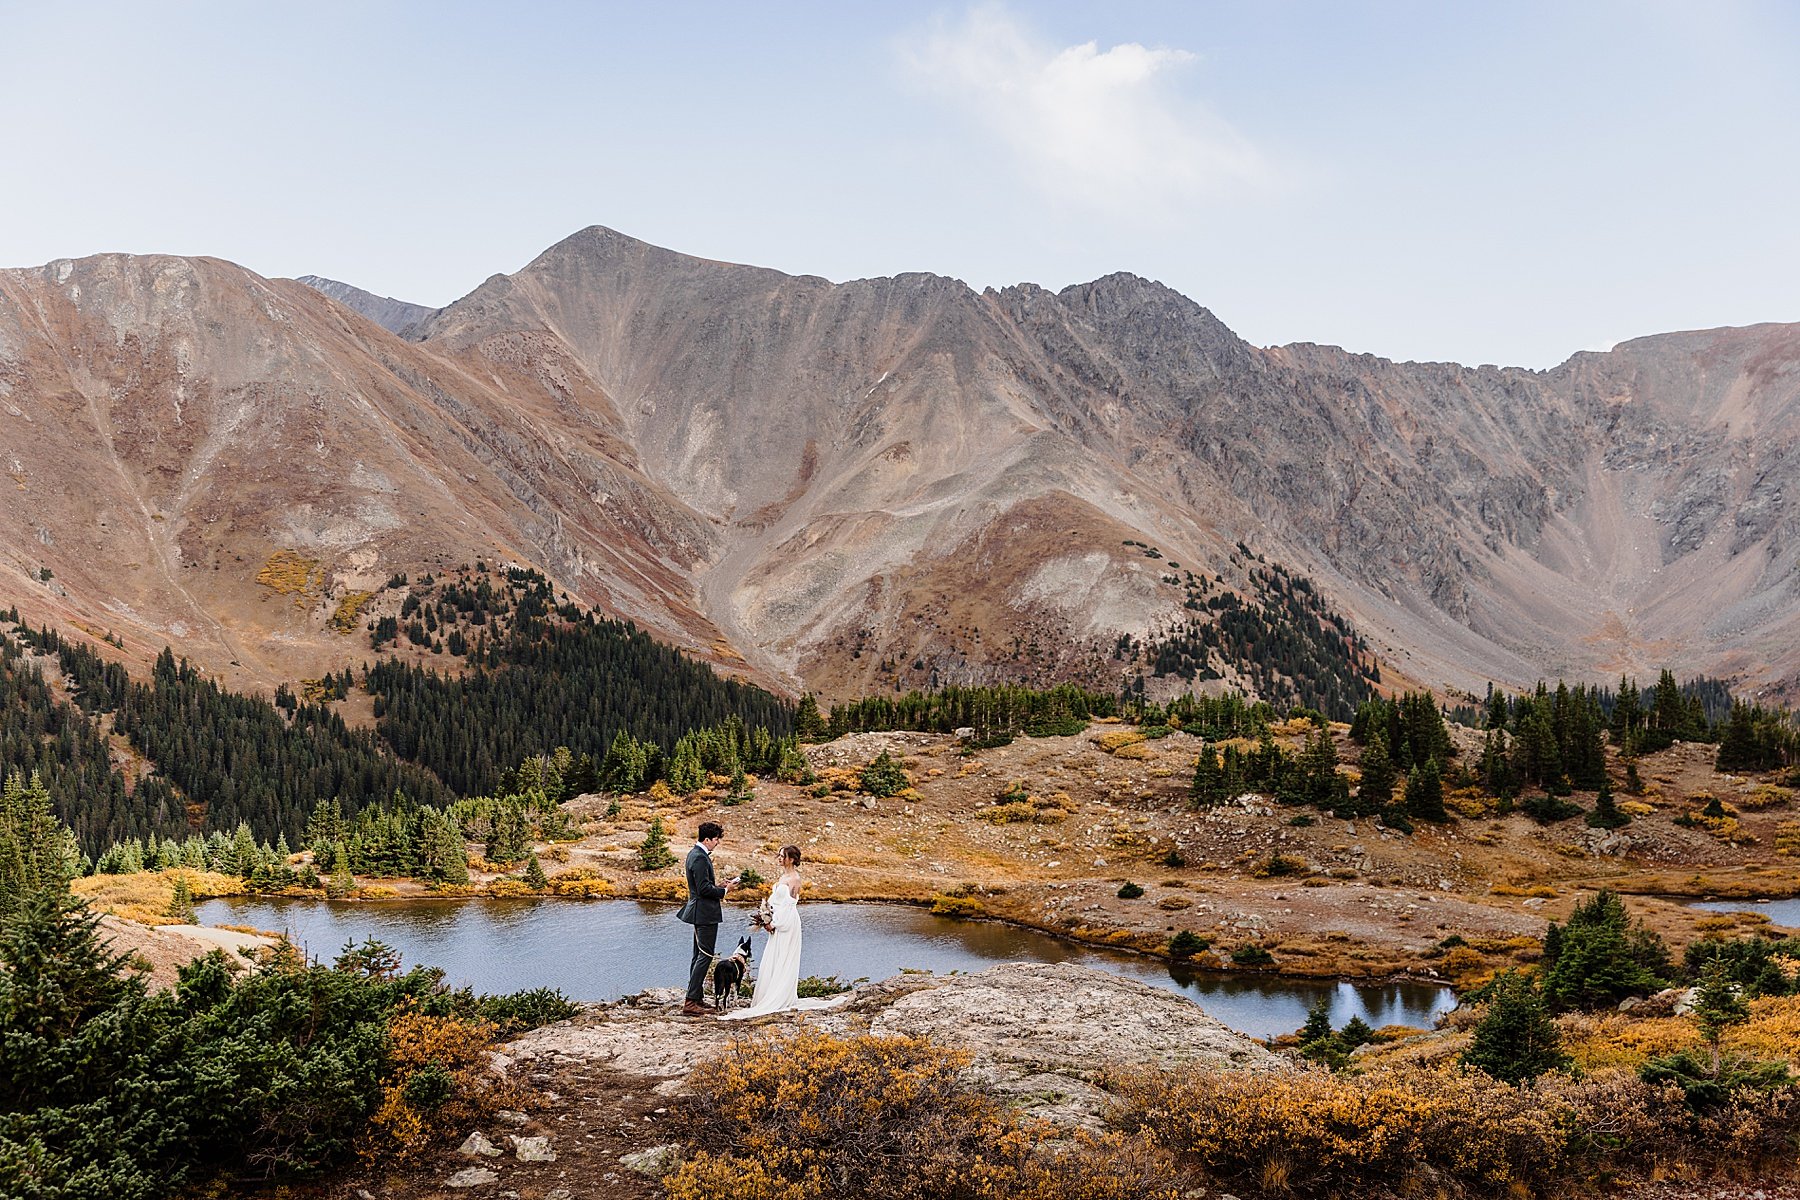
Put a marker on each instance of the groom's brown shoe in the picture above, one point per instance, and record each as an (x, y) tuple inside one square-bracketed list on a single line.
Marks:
[(690, 1009)]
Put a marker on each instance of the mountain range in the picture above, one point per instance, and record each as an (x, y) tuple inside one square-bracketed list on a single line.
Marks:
[(897, 481)]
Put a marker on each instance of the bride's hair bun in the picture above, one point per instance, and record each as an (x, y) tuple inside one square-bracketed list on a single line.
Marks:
[(792, 854)]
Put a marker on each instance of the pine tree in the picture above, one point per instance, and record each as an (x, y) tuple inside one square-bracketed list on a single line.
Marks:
[(1717, 1006), (1600, 956), (506, 841), (443, 855), (883, 776), (654, 853), (181, 903), (1496, 766), (342, 882), (535, 878), (687, 774), (1208, 787), (809, 723), (1516, 1040), (1425, 793), (1606, 814), (37, 851), (1376, 791), (740, 787), (1627, 715), (1318, 1022)]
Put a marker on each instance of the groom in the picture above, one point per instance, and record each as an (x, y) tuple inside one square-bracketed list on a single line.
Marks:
[(702, 912)]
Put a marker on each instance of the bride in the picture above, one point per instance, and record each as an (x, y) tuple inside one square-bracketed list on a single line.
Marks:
[(778, 982)]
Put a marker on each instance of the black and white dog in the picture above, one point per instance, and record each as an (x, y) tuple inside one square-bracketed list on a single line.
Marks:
[(728, 973)]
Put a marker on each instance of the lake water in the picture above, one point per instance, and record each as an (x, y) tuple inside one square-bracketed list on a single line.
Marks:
[(601, 950), (1782, 912)]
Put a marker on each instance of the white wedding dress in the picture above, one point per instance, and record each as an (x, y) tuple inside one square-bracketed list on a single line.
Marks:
[(778, 979)]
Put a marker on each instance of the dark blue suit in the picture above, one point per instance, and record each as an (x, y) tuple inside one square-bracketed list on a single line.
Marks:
[(702, 911)]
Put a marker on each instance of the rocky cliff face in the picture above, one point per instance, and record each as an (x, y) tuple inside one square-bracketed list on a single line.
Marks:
[(888, 479)]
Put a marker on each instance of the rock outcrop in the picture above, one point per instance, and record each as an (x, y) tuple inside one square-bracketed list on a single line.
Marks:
[(1039, 1033)]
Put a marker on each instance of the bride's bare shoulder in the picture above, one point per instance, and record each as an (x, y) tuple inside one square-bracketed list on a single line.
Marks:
[(793, 881)]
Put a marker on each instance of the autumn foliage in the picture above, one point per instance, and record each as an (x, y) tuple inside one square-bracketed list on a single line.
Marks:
[(810, 1116)]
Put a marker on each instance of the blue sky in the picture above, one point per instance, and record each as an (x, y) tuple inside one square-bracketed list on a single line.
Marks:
[(1485, 183)]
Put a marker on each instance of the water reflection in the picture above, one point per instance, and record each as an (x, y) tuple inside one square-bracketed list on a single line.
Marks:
[(602, 950)]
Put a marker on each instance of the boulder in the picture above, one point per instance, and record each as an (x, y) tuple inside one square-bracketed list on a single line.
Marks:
[(532, 1149), (472, 1177), (655, 1161), (477, 1145)]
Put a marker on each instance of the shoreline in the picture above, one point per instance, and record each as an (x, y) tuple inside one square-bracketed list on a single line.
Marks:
[(1100, 944)]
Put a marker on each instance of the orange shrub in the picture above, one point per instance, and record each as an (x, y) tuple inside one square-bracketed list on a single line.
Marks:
[(437, 1080), (808, 1116), (1315, 1133)]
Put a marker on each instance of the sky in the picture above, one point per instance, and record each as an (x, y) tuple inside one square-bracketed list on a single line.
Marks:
[(1482, 183)]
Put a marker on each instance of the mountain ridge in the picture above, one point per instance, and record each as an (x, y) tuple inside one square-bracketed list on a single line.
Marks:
[(820, 477)]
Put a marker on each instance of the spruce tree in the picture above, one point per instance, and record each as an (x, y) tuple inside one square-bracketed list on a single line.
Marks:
[(1318, 1022), (883, 776), (1425, 793), (342, 882), (1600, 956), (1376, 790), (1606, 814), (181, 903), (535, 878), (687, 774), (654, 853), (1717, 1006), (1208, 787), (1516, 1040), (809, 723), (37, 851)]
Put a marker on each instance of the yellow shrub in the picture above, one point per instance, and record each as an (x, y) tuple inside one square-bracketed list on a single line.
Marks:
[(1635, 808), (1113, 739), (1470, 804), (144, 897), (1462, 960), (456, 1048), (287, 573), (1137, 750), (1330, 1134), (791, 1118), (1766, 796), (660, 793), (1787, 838), (507, 887), (1540, 890), (585, 889), (1599, 1040), (945, 905), (349, 611), (660, 889), (1773, 1030)]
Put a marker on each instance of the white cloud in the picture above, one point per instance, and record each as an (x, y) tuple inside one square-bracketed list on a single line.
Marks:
[(1106, 129)]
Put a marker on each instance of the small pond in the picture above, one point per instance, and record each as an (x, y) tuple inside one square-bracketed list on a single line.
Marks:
[(1782, 912), (600, 950)]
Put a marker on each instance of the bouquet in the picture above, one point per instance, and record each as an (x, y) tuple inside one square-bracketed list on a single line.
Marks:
[(763, 918)]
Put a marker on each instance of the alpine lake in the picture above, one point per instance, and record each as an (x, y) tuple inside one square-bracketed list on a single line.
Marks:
[(601, 950)]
